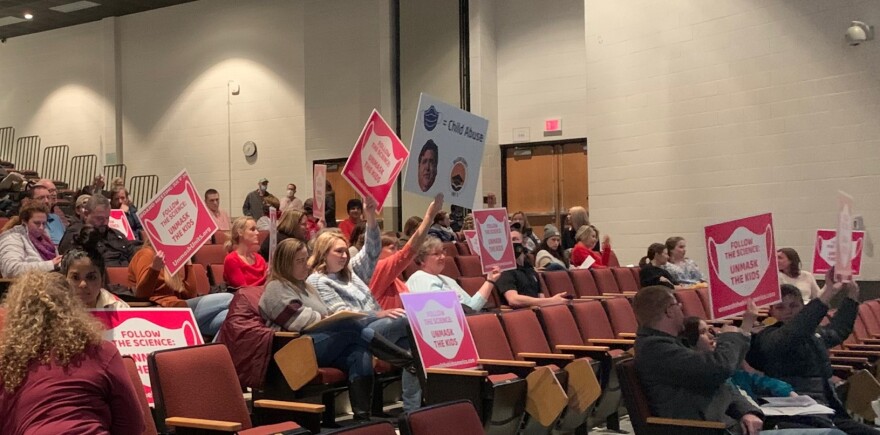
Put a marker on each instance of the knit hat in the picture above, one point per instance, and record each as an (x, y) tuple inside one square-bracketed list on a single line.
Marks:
[(581, 231), (550, 231), (82, 200)]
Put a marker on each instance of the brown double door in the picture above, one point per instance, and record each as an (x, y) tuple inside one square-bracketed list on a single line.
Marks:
[(545, 180)]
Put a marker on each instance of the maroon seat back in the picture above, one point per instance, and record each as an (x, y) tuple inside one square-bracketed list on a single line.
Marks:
[(472, 284), (410, 269), (703, 293), (450, 249), (612, 260), (584, 284), (592, 321), (119, 276), (691, 304), (469, 265), (625, 280), (149, 423), (559, 325), (203, 285), (464, 249), (450, 269), (524, 332), (248, 338), (870, 320), (181, 377), (217, 273), (621, 315), (605, 281), (458, 418), (210, 254), (636, 270), (489, 337), (557, 281)]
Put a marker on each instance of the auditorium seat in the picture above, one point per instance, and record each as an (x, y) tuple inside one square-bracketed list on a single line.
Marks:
[(149, 423), (263, 235), (450, 249), (625, 280), (703, 293), (605, 281), (181, 378), (464, 248), (220, 238), (613, 261), (372, 428), (469, 265), (554, 282), (691, 304), (584, 283), (450, 269), (210, 254), (203, 285), (594, 326), (622, 318), (411, 268), (118, 275), (472, 284), (450, 418), (216, 273), (639, 410), (636, 270)]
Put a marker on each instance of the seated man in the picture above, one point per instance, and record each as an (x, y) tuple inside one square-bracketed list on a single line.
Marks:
[(795, 349), (520, 287), (681, 382), (116, 249)]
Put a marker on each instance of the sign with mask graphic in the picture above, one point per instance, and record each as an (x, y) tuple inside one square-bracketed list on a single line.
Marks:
[(177, 221), (493, 236), (825, 251), (472, 241), (319, 191), (742, 265), (441, 332), (376, 159), (138, 331), (119, 222), (448, 143), (843, 269)]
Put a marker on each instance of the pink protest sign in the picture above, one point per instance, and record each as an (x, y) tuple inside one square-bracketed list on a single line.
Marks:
[(825, 251), (376, 159), (742, 265), (139, 331), (493, 235), (119, 222), (177, 221), (472, 241), (442, 335), (319, 190), (843, 268)]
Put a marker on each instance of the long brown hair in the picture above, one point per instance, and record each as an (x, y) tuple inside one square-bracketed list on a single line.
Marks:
[(45, 321), (282, 265), (794, 260)]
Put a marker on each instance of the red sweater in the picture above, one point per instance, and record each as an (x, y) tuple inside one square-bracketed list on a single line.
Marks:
[(347, 226), (239, 274), (580, 253), (92, 395), (386, 284)]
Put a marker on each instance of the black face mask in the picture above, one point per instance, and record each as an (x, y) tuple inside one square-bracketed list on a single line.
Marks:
[(519, 249)]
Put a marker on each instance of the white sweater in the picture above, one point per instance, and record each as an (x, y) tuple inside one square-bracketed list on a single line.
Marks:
[(18, 255)]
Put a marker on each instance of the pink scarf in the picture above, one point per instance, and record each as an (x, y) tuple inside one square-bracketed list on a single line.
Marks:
[(43, 244)]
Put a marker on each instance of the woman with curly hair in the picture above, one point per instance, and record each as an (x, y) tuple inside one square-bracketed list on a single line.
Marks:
[(56, 373)]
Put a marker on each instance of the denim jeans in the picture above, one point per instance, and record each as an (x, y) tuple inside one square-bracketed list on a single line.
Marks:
[(394, 330), (342, 346), (210, 311)]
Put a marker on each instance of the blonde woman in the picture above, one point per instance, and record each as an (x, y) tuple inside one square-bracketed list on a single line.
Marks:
[(577, 217), (150, 279), (56, 373), (243, 267), (291, 225)]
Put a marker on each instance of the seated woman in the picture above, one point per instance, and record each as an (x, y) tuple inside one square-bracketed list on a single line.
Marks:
[(652, 271), (57, 376), (27, 246), (242, 267), (83, 266), (550, 253), (291, 225), (577, 217), (789, 263), (587, 236), (440, 228), (268, 201), (432, 259), (356, 239), (150, 279), (683, 269), (120, 201), (410, 227), (530, 240), (291, 304)]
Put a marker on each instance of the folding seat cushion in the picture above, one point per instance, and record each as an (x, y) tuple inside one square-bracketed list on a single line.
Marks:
[(450, 418), (557, 282), (605, 281), (625, 280), (210, 254), (621, 315)]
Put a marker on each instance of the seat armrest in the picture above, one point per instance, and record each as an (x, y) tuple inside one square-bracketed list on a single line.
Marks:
[(457, 372), (687, 423), (505, 362), (597, 298), (612, 341), (201, 423), (553, 356), (631, 335), (582, 348), (286, 334), (309, 408)]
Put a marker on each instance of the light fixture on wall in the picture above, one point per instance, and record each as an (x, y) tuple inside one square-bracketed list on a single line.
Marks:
[(859, 32), (522, 152)]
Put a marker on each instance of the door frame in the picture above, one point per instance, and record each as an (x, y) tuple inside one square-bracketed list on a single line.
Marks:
[(505, 147)]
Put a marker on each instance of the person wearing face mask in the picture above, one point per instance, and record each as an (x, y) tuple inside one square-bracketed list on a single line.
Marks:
[(587, 237), (27, 246), (116, 249), (253, 203), (550, 253), (519, 287), (290, 201)]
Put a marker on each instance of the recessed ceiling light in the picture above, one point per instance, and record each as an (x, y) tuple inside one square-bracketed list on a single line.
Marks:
[(28, 16)]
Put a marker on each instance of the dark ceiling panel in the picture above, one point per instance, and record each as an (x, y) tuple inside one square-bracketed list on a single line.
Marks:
[(47, 19)]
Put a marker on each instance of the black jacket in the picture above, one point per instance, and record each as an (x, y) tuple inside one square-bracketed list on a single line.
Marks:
[(115, 248)]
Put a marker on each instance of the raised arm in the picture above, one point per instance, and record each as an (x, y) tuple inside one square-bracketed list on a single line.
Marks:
[(418, 237)]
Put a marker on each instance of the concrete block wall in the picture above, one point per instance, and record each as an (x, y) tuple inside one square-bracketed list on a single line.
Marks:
[(700, 112)]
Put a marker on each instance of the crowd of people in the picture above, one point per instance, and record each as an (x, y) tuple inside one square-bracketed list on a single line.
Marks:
[(320, 269)]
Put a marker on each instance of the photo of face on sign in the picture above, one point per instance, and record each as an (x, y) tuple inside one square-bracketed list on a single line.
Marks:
[(427, 165)]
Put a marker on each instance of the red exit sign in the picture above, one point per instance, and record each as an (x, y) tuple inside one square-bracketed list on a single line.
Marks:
[(553, 124)]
